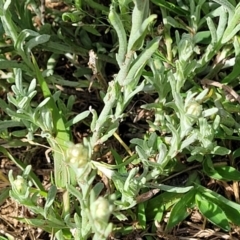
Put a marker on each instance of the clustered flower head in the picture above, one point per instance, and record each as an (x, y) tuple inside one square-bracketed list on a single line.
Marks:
[(20, 185), (101, 209), (77, 155), (194, 109)]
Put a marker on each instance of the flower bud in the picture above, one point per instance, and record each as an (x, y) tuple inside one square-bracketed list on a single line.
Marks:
[(194, 109), (78, 155), (20, 185), (101, 209)]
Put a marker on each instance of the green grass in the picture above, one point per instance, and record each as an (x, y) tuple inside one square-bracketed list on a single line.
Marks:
[(134, 105)]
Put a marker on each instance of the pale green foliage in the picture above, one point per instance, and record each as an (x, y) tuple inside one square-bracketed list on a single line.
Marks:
[(186, 118)]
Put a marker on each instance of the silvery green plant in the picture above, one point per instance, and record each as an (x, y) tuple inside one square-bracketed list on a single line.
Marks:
[(125, 84), (90, 219), (73, 166), (22, 100), (24, 193), (121, 90), (47, 116), (192, 128), (182, 122), (189, 111), (190, 125), (127, 185)]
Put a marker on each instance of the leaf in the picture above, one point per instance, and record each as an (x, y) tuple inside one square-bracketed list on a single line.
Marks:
[(189, 140), (228, 131), (219, 197), (180, 210), (162, 156), (230, 211), (152, 141), (19, 45), (229, 35), (213, 30), (122, 38), (136, 41), (96, 190), (203, 37), (142, 155), (112, 128), (99, 6), (235, 72), (4, 195), (58, 144), (157, 205), (228, 173), (141, 61), (209, 112), (44, 224), (5, 64), (141, 215), (208, 168), (59, 235), (175, 142), (73, 17), (92, 30), (36, 41), (220, 151), (233, 26), (136, 89), (77, 118), (42, 104), (119, 162), (174, 23), (78, 222), (236, 153), (171, 7), (168, 188), (212, 212), (72, 190), (226, 4), (10, 124), (139, 14), (223, 19), (120, 216), (6, 20), (50, 199)]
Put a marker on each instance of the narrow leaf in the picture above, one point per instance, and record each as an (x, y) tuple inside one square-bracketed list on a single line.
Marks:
[(212, 212), (122, 38), (230, 211), (215, 195), (141, 215), (77, 118), (229, 173), (50, 199), (171, 7), (180, 210), (141, 61), (157, 205), (37, 40)]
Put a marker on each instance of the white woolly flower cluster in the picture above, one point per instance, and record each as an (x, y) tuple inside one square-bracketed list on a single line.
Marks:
[(20, 185), (78, 155)]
